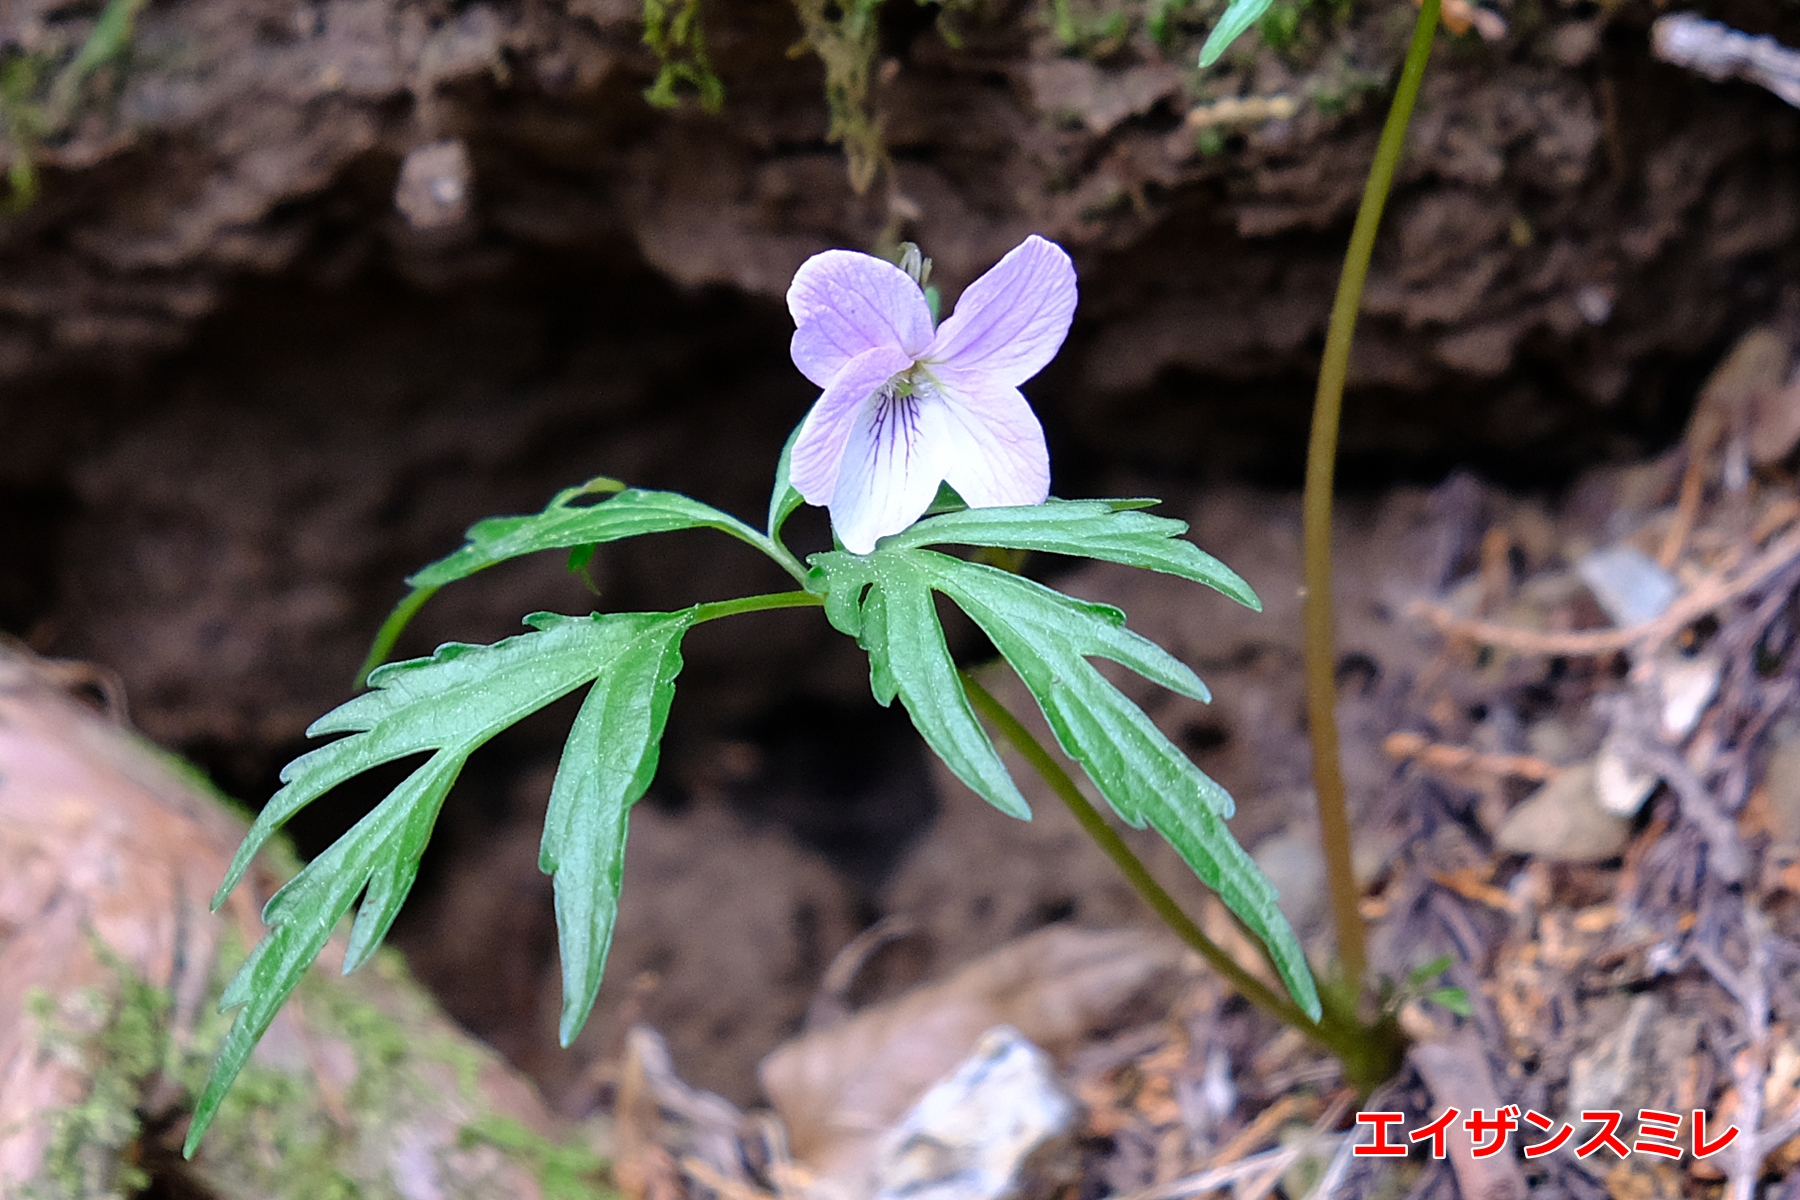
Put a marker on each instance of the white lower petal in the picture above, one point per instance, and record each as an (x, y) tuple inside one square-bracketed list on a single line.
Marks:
[(988, 442), (890, 470), (819, 448)]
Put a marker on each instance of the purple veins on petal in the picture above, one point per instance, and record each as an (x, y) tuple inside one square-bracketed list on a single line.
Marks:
[(819, 450), (888, 478)]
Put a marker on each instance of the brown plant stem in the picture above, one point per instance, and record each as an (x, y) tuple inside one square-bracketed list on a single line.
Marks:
[(1321, 464)]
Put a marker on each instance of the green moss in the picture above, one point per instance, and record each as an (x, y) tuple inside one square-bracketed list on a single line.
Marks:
[(673, 29), (118, 1040), (566, 1171), (1094, 33), (843, 33), (42, 91)]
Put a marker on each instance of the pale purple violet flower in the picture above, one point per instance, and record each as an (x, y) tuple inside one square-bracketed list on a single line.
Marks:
[(907, 407)]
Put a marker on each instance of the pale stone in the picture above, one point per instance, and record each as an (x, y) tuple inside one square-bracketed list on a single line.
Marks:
[(1628, 583), (999, 1127), (1619, 785), (1563, 822), (1687, 686)]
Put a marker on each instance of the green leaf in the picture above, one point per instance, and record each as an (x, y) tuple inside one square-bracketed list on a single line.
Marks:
[(1421, 974), (630, 513), (606, 766), (885, 599), (883, 603), (1454, 999), (563, 525), (447, 706), (1241, 15), (784, 498), (1109, 530)]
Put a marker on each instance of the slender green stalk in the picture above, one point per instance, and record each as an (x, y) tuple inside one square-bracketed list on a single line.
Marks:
[(390, 632), (771, 546), (1321, 464), (714, 609), (1370, 1052), (1129, 864)]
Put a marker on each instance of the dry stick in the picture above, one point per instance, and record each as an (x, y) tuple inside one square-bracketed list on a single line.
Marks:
[(1267, 1123), (1750, 988), (1321, 468), (1710, 595), (1693, 480), (1257, 1175), (1442, 756)]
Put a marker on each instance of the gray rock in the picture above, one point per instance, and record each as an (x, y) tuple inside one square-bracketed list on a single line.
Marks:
[(1620, 784), (999, 1127), (1686, 687), (1563, 822), (1628, 583), (1638, 1059)]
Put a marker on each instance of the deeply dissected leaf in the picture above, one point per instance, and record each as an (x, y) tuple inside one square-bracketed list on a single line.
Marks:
[(449, 705), (606, 766), (897, 624), (885, 600), (563, 525), (1109, 530), (630, 513)]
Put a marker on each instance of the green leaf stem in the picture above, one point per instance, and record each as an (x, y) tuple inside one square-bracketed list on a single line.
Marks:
[(885, 600)]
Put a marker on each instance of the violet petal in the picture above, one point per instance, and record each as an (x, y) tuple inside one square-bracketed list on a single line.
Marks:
[(889, 473), (990, 445), (813, 464), (845, 304), (1009, 323)]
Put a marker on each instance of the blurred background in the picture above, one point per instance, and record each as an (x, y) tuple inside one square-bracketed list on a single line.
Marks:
[(293, 292)]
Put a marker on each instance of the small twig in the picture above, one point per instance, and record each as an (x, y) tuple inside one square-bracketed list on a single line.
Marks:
[(1267, 1166), (830, 1003), (1750, 988), (790, 1180), (1777, 516), (1710, 595), (1220, 1177), (1687, 507), (1441, 756), (1340, 1167), (1261, 1129), (1334, 1112), (728, 1189)]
